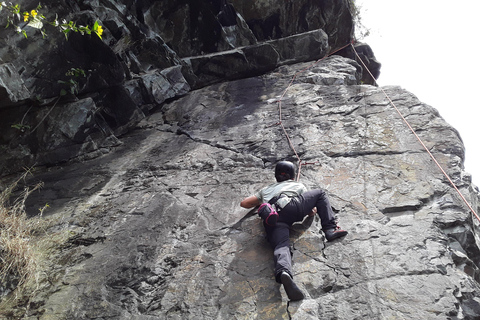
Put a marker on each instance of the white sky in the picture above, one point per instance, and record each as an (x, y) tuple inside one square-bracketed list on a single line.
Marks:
[(430, 48)]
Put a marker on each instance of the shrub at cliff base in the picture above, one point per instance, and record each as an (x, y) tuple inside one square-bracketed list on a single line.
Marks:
[(24, 246)]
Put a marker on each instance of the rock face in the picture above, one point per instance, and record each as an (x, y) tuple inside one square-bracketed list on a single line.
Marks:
[(151, 51), (176, 127), (159, 233)]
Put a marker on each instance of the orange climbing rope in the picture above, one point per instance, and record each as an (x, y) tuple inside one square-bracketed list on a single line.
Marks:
[(418, 138), (390, 101)]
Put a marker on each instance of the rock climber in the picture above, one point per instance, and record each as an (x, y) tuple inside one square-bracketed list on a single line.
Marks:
[(293, 203)]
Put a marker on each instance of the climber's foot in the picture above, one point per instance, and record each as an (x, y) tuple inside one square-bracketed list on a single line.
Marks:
[(293, 292)]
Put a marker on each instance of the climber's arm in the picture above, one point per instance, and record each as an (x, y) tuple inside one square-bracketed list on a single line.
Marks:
[(250, 202)]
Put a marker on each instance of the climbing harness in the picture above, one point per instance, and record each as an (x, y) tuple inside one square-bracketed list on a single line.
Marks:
[(300, 164), (268, 214)]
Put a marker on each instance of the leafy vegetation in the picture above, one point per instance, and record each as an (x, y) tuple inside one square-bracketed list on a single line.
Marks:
[(72, 83), (35, 19), (361, 32)]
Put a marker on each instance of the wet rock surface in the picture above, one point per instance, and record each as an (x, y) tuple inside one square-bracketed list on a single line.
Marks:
[(159, 233)]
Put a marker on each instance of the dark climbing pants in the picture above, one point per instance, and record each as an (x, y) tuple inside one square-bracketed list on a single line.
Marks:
[(295, 211)]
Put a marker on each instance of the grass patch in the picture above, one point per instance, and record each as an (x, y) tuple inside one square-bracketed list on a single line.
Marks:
[(29, 251), (20, 257)]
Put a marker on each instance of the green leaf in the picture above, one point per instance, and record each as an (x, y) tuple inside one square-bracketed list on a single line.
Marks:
[(20, 126), (66, 33)]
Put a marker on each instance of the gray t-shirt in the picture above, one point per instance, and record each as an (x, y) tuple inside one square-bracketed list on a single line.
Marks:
[(290, 188)]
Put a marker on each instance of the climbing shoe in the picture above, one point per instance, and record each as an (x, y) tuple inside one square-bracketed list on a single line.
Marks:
[(332, 234), (293, 292)]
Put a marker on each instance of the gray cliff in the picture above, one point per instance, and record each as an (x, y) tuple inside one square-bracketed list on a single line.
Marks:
[(146, 166)]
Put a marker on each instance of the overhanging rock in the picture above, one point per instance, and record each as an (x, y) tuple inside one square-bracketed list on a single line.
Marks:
[(257, 59)]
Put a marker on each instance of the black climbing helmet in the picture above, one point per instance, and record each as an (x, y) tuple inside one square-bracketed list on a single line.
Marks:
[(284, 170)]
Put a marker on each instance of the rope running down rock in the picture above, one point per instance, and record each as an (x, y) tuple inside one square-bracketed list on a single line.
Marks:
[(419, 139), (390, 101)]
